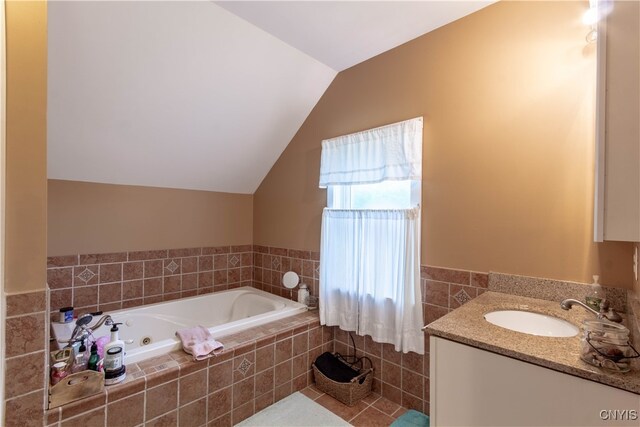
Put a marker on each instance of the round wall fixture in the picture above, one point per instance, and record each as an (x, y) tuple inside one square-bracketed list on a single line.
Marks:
[(290, 279)]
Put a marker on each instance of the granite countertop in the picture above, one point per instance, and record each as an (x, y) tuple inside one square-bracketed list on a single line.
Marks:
[(467, 325)]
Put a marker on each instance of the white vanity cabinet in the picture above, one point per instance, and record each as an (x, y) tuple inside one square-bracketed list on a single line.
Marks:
[(473, 387), (617, 196)]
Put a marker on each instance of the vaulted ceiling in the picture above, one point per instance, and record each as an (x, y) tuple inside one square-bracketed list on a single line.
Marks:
[(200, 95)]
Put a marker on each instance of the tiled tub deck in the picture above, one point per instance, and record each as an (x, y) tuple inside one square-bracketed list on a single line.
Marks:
[(258, 367)]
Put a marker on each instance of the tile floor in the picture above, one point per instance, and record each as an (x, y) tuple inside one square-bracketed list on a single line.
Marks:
[(373, 411)]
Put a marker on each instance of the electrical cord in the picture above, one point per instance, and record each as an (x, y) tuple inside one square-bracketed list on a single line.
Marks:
[(353, 360)]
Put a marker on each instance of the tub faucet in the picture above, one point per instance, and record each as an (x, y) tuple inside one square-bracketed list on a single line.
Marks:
[(104, 320), (605, 312), (82, 330)]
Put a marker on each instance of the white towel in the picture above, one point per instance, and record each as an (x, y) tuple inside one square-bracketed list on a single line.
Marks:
[(198, 342)]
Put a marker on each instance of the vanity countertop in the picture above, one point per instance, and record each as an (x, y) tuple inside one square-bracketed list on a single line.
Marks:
[(467, 325)]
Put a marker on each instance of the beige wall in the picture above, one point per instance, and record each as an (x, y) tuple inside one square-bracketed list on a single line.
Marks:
[(97, 218), (507, 96), (636, 283), (26, 146)]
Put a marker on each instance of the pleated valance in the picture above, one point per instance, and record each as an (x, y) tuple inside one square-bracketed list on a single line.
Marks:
[(391, 152)]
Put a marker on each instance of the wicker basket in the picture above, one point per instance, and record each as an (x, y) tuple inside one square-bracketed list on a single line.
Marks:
[(348, 393)]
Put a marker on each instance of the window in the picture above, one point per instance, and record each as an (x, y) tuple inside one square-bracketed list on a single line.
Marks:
[(370, 246), (382, 195)]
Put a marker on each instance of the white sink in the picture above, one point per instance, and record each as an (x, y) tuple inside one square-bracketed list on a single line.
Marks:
[(532, 323)]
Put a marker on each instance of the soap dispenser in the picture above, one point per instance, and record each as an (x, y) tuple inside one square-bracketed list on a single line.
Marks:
[(114, 369), (81, 359), (596, 295)]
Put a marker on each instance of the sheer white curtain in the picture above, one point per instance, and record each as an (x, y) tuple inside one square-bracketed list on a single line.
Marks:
[(370, 291), (370, 259)]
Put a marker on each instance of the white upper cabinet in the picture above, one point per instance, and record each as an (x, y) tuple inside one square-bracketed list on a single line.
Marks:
[(617, 202)]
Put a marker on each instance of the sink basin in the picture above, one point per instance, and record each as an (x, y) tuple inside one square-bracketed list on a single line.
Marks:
[(532, 323)]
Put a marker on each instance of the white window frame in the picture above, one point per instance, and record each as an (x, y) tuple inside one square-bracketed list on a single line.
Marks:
[(339, 196)]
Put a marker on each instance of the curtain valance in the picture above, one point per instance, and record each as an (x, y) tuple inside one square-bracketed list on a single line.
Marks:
[(392, 152)]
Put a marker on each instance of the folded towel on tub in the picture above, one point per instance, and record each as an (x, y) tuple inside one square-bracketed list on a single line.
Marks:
[(198, 342)]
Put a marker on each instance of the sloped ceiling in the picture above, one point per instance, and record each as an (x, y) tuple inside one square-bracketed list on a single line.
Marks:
[(190, 95), (171, 94), (342, 34)]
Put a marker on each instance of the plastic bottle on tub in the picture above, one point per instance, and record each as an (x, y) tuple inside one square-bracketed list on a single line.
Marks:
[(114, 369), (94, 360), (303, 294)]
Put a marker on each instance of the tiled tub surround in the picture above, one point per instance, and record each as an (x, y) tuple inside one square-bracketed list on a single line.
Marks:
[(402, 379), (257, 368), (128, 279), (270, 264), (25, 379), (151, 329)]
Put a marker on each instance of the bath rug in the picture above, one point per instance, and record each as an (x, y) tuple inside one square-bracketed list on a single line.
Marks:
[(411, 418), (293, 411)]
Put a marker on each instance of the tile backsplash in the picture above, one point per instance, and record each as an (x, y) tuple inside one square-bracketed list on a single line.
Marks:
[(270, 264), (90, 282)]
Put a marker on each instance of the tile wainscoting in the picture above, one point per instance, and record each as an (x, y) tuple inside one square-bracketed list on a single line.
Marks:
[(400, 378), (404, 378), (270, 264), (26, 377), (127, 279), (114, 281)]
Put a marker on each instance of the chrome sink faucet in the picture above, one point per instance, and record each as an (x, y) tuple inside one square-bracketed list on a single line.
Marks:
[(606, 312)]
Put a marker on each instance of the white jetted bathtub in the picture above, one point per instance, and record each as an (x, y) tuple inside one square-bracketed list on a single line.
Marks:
[(151, 328)]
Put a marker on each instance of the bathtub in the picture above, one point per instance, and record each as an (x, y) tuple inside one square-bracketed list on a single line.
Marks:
[(150, 330)]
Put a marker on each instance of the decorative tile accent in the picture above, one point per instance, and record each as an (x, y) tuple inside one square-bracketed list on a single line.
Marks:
[(275, 263), (245, 365), (462, 296), (86, 275), (234, 261), (172, 267)]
